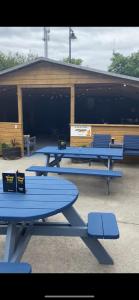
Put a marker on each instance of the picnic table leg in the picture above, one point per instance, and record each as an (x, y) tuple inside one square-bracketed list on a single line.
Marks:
[(110, 163), (28, 149), (22, 243), (58, 162), (10, 242), (47, 160), (93, 244), (47, 165), (108, 184)]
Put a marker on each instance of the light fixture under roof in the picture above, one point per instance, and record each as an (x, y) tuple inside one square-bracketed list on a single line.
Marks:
[(124, 85)]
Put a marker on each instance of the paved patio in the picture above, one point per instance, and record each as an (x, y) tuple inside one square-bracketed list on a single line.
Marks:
[(64, 254)]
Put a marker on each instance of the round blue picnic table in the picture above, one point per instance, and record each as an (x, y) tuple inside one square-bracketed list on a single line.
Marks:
[(45, 196)]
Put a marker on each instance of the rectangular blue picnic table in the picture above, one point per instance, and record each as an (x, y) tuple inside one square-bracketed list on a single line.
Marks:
[(108, 154), (23, 215)]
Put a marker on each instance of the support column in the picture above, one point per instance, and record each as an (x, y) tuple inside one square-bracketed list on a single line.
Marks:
[(72, 105), (20, 111), (20, 114)]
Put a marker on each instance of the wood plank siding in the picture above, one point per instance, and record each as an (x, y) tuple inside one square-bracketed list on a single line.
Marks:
[(9, 131), (46, 73), (116, 131)]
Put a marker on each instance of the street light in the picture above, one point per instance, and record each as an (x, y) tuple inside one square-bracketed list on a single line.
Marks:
[(72, 36)]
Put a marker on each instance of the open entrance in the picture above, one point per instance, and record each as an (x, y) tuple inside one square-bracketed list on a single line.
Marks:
[(46, 114)]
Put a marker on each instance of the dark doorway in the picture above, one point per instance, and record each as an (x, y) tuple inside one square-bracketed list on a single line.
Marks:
[(46, 113)]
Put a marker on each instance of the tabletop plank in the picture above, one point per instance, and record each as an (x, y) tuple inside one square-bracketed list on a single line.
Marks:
[(118, 152), (43, 198), (18, 197), (47, 192), (32, 204), (44, 186)]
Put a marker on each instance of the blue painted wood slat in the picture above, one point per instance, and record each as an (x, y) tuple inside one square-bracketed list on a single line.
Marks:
[(110, 227), (82, 151), (7, 267), (48, 192), (96, 172), (95, 228), (37, 202), (103, 225)]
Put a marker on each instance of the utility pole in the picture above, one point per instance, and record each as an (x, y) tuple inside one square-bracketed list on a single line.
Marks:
[(69, 44), (72, 36), (46, 39)]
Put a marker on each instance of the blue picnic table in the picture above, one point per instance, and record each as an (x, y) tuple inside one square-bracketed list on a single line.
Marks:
[(53, 166), (108, 154), (23, 215)]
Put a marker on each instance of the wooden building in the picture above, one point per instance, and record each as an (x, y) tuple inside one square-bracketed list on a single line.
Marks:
[(47, 97)]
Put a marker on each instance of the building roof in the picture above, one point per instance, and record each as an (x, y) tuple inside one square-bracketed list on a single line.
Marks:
[(43, 59)]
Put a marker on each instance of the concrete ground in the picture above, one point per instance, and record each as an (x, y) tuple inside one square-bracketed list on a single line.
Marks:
[(64, 254)]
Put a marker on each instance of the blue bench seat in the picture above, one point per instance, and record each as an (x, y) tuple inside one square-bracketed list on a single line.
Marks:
[(131, 145), (108, 174), (103, 225), (8, 267), (79, 171), (131, 152)]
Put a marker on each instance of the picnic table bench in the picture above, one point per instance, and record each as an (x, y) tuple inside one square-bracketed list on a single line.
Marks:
[(108, 174), (131, 145), (103, 225), (8, 267), (54, 165)]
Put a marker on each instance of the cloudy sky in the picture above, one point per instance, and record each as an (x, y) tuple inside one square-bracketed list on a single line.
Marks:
[(94, 44)]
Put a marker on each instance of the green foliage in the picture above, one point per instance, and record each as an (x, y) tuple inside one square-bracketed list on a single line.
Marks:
[(4, 145), (13, 59), (126, 65), (74, 61)]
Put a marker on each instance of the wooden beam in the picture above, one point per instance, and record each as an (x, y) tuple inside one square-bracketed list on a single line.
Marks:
[(20, 110), (20, 114), (45, 86), (72, 105)]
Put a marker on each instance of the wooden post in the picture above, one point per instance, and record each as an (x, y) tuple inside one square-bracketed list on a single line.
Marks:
[(20, 115), (72, 105), (20, 111)]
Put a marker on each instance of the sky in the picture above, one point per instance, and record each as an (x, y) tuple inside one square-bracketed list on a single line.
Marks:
[(94, 45)]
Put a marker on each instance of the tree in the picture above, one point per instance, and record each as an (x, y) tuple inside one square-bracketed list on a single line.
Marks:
[(74, 61), (127, 65), (13, 59)]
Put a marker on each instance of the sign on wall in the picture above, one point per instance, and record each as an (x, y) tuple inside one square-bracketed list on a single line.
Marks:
[(80, 130)]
